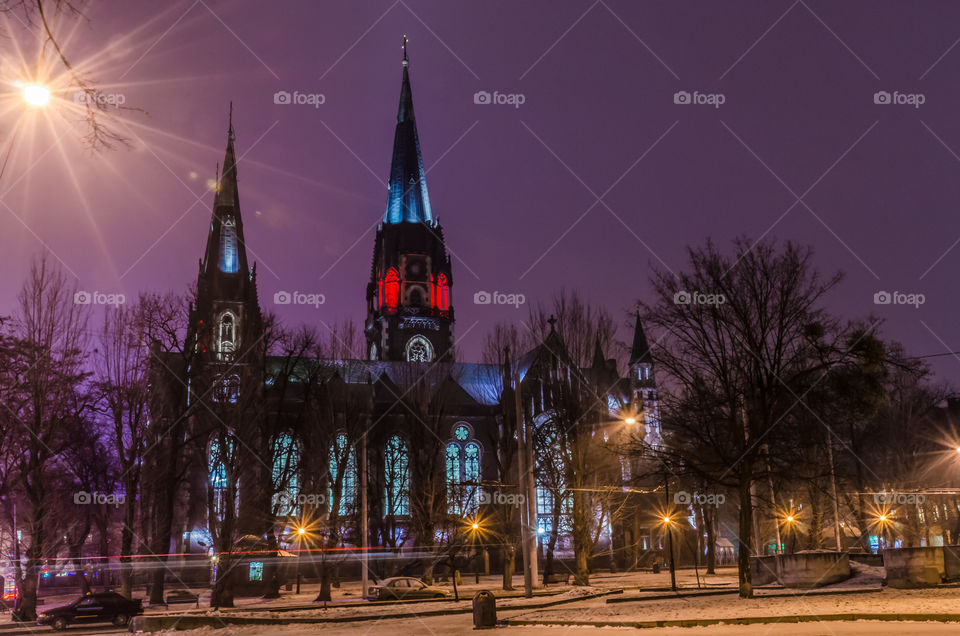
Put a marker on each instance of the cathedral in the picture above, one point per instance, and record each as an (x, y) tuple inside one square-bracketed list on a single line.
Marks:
[(410, 435)]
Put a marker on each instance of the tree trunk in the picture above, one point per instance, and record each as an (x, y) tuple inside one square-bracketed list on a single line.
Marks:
[(710, 521), (326, 583), (509, 558), (745, 532)]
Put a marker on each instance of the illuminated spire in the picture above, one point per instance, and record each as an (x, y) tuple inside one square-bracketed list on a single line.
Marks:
[(407, 200), (225, 248)]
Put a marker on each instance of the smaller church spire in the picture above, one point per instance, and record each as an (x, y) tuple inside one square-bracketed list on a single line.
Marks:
[(640, 351), (405, 60)]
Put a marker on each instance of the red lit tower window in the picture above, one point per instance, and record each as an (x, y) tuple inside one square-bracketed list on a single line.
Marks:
[(443, 293), (391, 288)]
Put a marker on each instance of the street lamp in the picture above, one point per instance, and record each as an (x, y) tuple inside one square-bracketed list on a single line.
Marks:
[(36, 95)]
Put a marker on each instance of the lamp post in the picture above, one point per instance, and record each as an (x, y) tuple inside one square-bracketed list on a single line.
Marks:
[(668, 524), (300, 532)]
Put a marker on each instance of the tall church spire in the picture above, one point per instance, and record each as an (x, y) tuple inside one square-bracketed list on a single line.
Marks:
[(407, 200), (225, 247)]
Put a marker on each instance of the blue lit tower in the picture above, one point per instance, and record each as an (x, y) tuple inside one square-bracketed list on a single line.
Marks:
[(409, 305), (226, 319)]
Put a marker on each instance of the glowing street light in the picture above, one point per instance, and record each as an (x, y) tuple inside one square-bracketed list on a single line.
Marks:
[(36, 95), (633, 420), (301, 531), (789, 518)]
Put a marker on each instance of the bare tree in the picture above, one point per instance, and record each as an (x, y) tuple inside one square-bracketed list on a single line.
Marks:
[(741, 338), (46, 398)]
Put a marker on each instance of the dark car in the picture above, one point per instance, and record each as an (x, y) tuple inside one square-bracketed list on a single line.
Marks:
[(404, 588), (105, 607)]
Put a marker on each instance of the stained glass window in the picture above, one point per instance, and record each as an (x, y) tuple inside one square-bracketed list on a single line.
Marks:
[(397, 476), (342, 457)]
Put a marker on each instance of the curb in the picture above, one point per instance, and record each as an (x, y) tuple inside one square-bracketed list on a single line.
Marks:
[(745, 620), (800, 593), (154, 623)]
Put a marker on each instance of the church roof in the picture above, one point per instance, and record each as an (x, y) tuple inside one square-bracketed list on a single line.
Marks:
[(407, 200)]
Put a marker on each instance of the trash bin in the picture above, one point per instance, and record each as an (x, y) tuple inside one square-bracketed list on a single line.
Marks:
[(656, 567), (484, 610)]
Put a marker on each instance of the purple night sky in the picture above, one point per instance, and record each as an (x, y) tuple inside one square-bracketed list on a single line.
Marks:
[(515, 188)]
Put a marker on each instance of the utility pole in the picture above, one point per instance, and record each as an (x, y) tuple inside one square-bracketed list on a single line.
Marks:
[(521, 477), (364, 548), (531, 501), (833, 488)]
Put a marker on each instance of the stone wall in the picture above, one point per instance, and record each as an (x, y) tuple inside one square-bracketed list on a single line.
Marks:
[(914, 567)]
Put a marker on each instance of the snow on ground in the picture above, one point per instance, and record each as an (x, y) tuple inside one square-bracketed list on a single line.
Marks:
[(944, 600)]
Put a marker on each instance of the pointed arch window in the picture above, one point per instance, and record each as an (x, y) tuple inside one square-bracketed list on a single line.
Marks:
[(227, 335), (220, 463), (463, 472), (396, 465), (391, 288), (226, 390), (286, 476), (419, 349), (343, 476), (443, 293), (229, 263)]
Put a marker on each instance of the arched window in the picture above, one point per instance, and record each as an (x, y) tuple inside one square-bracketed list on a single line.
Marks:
[(226, 390), (463, 472), (396, 469), (343, 476), (453, 478), (227, 336), (228, 246), (552, 490), (391, 288), (415, 297), (419, 349), (220, 463), (443, 293), (286, 476)]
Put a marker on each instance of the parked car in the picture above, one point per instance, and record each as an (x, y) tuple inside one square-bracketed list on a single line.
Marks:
[(105, 607), (404, 588)]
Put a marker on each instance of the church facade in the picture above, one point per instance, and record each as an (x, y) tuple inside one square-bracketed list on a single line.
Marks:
[(409, 437)]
